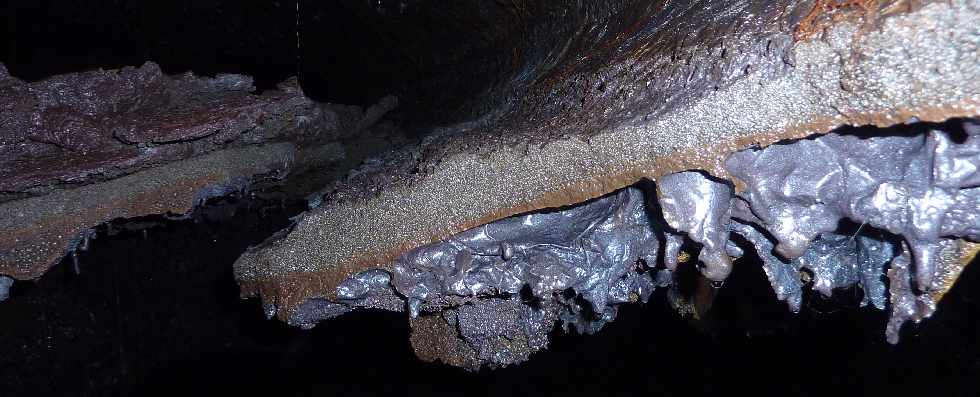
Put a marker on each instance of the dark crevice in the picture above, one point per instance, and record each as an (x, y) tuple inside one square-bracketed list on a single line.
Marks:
[(954, 127)]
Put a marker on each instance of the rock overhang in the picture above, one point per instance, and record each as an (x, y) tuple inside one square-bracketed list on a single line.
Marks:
[(81, 149), (587, 101), (870, 67)]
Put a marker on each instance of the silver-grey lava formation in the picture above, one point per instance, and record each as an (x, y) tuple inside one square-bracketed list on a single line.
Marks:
[(913, 192)]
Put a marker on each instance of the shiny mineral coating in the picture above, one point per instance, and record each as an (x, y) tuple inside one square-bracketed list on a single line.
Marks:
[(701, 208), (922, 63), (37, 232), (592, 248), (905, 304)]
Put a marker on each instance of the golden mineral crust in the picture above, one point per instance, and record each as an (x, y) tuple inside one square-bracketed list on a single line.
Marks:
[(681, 92)]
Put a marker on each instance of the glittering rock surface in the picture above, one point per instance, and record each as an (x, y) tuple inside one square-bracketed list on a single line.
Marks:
[(489, 296), (684, 87), (712, 100), (619, 145), (74, 129), (80, 149)]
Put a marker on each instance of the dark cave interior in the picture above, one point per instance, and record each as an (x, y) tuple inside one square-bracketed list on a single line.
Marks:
[(152, 307), (348, 52)]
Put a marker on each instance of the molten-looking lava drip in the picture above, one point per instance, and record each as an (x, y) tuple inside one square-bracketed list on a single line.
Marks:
[(838, 140), (454, 229)]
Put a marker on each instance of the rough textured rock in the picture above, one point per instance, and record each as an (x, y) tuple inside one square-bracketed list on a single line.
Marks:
[(80, 149), (711, 100), (40, 230), (75, 129), (488, 296), (678, 88), (496, 332), (490, 232)]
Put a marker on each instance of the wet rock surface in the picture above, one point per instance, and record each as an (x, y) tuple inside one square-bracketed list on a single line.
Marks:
[(592, 248), (917, 187)]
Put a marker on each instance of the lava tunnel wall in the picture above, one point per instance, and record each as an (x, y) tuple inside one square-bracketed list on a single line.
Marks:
[(447, 61), (485, 170), (435, 54), (640, 91)]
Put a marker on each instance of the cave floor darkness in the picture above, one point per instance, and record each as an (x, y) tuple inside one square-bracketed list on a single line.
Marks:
[(157, 312)]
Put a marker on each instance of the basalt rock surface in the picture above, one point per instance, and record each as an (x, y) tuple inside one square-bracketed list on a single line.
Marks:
[(698, 96), (80, 149), (614, 145)]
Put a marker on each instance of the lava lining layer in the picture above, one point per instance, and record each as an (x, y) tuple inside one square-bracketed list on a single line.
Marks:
[(917, 63)]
